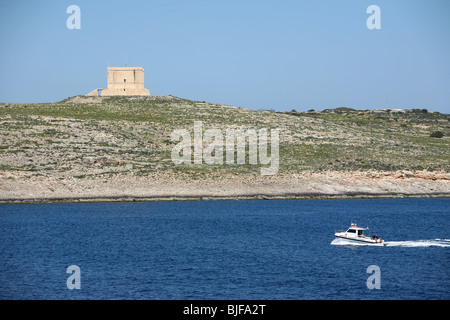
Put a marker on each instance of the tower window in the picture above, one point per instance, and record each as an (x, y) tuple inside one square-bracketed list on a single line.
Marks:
[(124, 80)]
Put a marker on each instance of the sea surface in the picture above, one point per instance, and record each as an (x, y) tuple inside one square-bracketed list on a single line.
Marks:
[(260, 249)]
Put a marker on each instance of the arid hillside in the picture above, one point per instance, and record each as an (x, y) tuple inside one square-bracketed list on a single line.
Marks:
[(118, 147)]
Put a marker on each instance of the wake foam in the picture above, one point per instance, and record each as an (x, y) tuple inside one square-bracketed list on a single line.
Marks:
[(445, 243)]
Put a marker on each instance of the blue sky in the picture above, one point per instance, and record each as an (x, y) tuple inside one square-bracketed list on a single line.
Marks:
[(260, 54)]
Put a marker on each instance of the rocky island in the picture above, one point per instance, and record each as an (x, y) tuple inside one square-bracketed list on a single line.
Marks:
[(119, 149)]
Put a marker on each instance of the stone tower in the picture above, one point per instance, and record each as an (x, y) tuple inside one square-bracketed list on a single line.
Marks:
[(123, 81)]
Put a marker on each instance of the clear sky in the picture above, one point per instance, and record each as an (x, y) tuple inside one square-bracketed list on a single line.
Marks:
[(281, 55)]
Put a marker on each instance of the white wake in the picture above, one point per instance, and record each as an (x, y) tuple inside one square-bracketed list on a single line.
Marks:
[(445, 243), (420, 243)]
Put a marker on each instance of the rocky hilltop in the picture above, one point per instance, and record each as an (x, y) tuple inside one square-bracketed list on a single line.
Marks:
[(119, 148)]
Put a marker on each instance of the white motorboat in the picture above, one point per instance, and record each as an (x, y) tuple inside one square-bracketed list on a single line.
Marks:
[(355, 233)]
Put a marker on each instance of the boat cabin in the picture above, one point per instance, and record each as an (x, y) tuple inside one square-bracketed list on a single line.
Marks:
[(356, 231)]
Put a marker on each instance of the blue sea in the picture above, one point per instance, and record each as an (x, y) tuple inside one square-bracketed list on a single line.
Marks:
[(260, 249)]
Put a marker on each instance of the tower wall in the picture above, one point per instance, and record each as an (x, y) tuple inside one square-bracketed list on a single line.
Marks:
[(124, 81)]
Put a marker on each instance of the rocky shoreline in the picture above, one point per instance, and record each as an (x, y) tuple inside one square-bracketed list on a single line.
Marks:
[(15, 187)]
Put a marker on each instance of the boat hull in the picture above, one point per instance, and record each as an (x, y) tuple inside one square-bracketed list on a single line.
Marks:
[(362, 240)]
